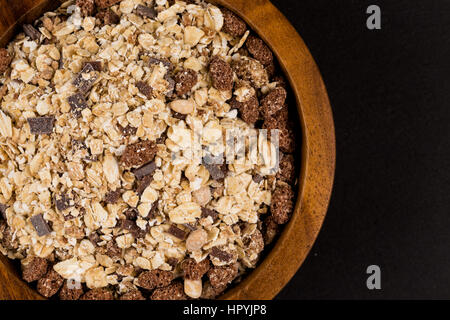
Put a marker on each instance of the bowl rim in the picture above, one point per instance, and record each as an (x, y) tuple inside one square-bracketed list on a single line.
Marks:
[(318, 153)]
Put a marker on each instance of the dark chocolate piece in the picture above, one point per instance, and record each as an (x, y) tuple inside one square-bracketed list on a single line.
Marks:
[(145, 170), (40, 225), (166, 63), (31, 31), (131, 214), (77, 103), (146, 11), (138, 154), (128, 130), (41, 125), (63, 203), (257, 178), (145, 89), (3, 210), (96, 65), (132, 227), (221, 255), (177, 232), (209, 213), (85, 79)]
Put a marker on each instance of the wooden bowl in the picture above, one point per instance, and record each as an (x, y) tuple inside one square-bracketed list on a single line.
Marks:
[(317, 154)]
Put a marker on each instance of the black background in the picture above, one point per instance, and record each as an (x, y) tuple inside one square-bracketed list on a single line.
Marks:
[(389, 92)]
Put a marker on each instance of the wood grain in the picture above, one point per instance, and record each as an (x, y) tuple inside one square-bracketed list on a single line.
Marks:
[(318, 146)]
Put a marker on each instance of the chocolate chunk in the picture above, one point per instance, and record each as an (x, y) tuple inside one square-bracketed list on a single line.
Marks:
[(31, 31), (41, 125), (193, 270), (143, 183), (221, 74), (132, 295), (174, 291), (259, 50), (146, 11), (7, 237), (94, 237), (209, 213), (63, 202), (185, 80), (172, 261), (35, 269), (5, 60), (77, 104), (131, 214), (87, 7), (154, 279), (274, 101), (96, 65), (138, 154), (153, 211), (145, 89), (113, 250), (170, 85), (145, 170), (40, 225), (50, 284), (107, 17), (166, 63), (179, 116), (217, 171), (3, 211), (112, 196), (98, 294), (220, 254), (282, 203), (257, 178), (78, 145), (177, 232), (132, 227), (102, 4), (128, 130), (85, 79), (232, 24), (222, 276), (70, 291)]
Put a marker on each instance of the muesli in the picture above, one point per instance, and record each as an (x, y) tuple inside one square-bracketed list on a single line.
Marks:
[(101, 195)]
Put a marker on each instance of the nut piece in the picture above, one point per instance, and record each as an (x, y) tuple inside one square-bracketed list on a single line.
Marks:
[(232, 24), (193, 288), (98, 294), (70, 291), (174, 291), (259, 50), (110, 169), (221, 74), (187, 212), (251, 70), (50, 284), (196, 240), (282, 203), (5, 60), (132, 295), (154, 279), (202, 196), (193, 270), (182, 106), (35, 269), (222, 276)]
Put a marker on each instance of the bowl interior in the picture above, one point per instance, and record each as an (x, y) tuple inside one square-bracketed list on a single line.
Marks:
[(316, 158)]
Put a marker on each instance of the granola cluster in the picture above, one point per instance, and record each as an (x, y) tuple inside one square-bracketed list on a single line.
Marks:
[(96, 99)]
